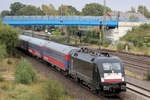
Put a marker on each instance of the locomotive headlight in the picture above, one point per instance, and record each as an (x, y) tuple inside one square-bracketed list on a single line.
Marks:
[(102, 79), (122, 78), (123, 87), (105, 88)]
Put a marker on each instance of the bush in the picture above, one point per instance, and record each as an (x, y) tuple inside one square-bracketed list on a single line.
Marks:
[(9, 37), (148, 76), (1, 79), (91, 34), (24, 73), (134, 28), (106, 43), (59, 39), (139, 36), (120, 47), (133, 17), (5, 85), (144, 26), (9, 62), (3, 52), (56, 32), (90, 40), (93, 41), (54, 90)]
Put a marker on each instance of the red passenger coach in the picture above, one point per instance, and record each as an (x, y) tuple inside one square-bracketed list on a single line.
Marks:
[(57, 54), (33, 45), (54, 53), (24, 43)]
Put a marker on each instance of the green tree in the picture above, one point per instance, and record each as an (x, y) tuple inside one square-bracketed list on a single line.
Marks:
[(24, 73), (30, 11), (67, 10), (45, 9), (54, 90), (49, 10), (62, 10), (94, 9), (139, 36), (5, 13), (73, 11), (120, 47), (15, 7), (9, 37), (133, 10), (72, 30), (144, 10), (133, 17), (56, 32)]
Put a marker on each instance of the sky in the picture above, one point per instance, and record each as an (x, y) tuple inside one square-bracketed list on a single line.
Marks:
[(121, 5)]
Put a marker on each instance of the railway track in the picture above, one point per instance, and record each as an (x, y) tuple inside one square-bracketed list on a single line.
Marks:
[(103, 98), (136, 63), (136, 66), (138, 90), (130, 86), (131, 60)]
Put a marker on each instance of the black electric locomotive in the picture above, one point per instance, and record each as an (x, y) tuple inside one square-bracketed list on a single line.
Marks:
[(100, 72)]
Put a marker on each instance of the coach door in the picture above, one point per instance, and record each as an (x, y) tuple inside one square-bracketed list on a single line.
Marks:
[(41, 51), (26, 44)]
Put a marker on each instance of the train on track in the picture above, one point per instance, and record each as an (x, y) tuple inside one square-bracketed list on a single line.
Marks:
[(98, 71)]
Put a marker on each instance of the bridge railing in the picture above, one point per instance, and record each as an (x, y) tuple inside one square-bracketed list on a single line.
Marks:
[(59, 18)]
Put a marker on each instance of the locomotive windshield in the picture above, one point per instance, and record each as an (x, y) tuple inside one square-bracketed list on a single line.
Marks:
[(112, 67)]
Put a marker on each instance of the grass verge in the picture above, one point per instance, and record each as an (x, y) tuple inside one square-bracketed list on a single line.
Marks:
[(41, 89)]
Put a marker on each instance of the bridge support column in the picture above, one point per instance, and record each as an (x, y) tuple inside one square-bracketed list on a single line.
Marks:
[(68, 36)]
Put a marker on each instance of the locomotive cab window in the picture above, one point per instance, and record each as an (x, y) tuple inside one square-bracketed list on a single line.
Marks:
[(112, 67)]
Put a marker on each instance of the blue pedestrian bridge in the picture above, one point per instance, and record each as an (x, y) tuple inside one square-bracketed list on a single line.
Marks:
[(61, 20)]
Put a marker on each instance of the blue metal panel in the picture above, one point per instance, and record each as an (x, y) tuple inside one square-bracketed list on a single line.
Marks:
[(67, 64), (67, 23), (60, 20)]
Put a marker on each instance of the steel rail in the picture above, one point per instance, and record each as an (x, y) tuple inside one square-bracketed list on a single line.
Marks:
[(141, 88)]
